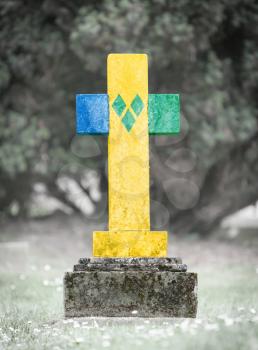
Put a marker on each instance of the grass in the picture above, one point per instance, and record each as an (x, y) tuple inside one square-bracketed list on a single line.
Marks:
[(31, 314)]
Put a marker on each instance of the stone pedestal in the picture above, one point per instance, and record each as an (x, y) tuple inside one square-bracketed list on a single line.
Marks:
[(128, 287)]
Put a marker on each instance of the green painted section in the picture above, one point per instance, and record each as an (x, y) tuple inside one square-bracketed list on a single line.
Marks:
[(137, 105), (119, 105), (164, 114), (128, 120)]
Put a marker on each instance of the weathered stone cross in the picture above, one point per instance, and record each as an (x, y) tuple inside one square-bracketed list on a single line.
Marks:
[(128, 114)]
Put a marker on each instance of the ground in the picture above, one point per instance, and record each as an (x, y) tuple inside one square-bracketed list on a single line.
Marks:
[(35, 254)]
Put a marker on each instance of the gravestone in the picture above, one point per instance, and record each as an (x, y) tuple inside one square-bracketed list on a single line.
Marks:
[(129, 273)]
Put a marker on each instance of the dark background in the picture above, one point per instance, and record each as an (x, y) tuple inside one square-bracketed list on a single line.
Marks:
[(205, 50)]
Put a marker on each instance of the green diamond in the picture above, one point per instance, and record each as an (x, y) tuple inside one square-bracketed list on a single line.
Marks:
[(119, 105), (137, 105), (128, 120)]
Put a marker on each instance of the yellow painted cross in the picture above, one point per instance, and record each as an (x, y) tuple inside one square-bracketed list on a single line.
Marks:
[(128, 114)]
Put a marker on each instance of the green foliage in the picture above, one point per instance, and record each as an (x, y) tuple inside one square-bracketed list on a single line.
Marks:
[(22, 139), (4, 76), (206, 51)]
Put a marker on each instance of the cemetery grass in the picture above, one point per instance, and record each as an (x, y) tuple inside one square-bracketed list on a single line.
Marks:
[(31, 295)]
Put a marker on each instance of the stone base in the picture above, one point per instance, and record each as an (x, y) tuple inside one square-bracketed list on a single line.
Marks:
[(128, 287)]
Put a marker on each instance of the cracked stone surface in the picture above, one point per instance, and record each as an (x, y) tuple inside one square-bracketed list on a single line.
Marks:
[(140, 287)]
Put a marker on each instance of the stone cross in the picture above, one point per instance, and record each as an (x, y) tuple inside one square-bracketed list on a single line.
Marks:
[(128, 114)]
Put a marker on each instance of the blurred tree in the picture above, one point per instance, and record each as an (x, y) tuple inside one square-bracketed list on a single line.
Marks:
[(206, 51)]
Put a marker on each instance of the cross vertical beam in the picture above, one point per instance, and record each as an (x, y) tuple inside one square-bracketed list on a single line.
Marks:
[(128, 152), (129, 232)]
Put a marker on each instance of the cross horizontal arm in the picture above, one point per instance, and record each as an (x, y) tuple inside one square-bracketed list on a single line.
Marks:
[(164, 114), (92, 114)]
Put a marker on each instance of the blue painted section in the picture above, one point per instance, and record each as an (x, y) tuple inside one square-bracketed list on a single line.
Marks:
[(92, 114)]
